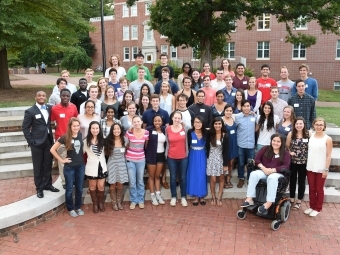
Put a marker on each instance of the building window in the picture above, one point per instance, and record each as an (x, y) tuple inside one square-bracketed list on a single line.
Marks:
[(338, 49), (134, 10), (134, 32), (229, 49), (233, 25), (126, 54), (134, 51), (164, 36), (263, 22), (147, 6), (125, 10), (173, 52), (126, 33), (263, 50), (164, 49), (299, 51), (300, 24), (195, 53), (337, 85), (148, 35)]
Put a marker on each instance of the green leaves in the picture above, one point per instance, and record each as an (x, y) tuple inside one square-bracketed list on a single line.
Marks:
[(75, 58)]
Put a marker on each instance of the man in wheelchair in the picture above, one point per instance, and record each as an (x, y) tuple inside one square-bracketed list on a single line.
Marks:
[(272, 161)]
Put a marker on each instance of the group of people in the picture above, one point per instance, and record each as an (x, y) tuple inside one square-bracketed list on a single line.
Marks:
[(112, 129)]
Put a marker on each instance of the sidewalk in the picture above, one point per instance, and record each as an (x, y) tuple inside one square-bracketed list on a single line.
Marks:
[(328, 104), (41, 79)]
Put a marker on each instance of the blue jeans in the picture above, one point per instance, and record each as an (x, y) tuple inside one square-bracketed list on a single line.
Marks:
[(74, 174), (243, 155), (136, 182), (178, 167)]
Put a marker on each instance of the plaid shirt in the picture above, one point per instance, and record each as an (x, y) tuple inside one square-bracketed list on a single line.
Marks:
[(105, 128), (304, 106)]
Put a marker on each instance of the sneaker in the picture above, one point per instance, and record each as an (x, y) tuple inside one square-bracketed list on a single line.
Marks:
[(160, 199), (246, 203), (80, 212), (73, 213), (240, 183), (173, 201), (141, 205), (314, 213), (132, 206), (308, 211), (184, 202), (154, 200), (262, 210)]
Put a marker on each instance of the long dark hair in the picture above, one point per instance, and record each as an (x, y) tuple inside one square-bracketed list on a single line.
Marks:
[(305, 133), (235, 100), (203, 129), (141, 88), (140, 105), (212, 130), (190, 68), (100, 137), (270, 120), (123, 104), (109, 141), (199, 82), (270, 152)]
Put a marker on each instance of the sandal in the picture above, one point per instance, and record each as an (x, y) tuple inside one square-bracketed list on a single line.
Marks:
[(296, 206), (202, 201), (230, 185), (195, 203)]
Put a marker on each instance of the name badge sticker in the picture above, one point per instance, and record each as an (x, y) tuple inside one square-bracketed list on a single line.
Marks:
[(125, 113), (277, 156), (193, 141), (154, 132), (296, 105), (279, 85), (182, 133), (252, 119), (232, 132), (218, 142), (122, 150), (233, 94), (306, 86), (305, 140), (62, 115), (38, 116), (202, 110), (245, 82), (72, 141), (287, 128)]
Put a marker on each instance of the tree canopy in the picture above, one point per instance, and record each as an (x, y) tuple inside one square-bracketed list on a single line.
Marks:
[(51, 25), (206, 24)]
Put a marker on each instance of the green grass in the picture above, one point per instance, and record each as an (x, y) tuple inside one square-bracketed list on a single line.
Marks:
[(80, 74), (330, 114), (329, 95)]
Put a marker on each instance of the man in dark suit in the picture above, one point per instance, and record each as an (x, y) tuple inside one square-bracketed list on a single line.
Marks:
[(38, 133)]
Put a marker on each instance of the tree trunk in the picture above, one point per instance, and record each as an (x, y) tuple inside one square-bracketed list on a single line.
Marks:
[(205, 41), (4, 76)]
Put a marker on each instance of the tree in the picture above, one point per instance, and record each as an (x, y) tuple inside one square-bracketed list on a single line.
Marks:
[(51, 25), (76, 59), (206, 24)]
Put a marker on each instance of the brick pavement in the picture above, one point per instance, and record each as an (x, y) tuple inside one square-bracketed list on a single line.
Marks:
[(191, 230), (13, 190)]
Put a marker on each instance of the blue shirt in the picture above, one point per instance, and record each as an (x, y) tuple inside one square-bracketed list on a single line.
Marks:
[(311, 88), (229, 98), (149, 114), (245, 130), (173, 85), (114, 85)]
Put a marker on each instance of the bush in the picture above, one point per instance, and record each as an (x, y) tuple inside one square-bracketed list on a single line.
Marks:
[(76, 59), (249, 71), (32, 68)]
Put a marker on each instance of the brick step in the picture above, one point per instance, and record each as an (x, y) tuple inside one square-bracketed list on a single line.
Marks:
[(14, 147), (12, 158), (11, 123), (13, 111)]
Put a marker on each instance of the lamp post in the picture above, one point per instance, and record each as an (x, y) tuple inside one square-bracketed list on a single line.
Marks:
[(103, 35)]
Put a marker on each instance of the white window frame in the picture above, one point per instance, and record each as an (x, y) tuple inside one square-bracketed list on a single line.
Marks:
[(134, 51), (300, 25), (228, 49), (148, 32), (264, 18), (261, 47), (126, 50), (163, 36), (163, 47), (337, 50), (134, 32), (173, 50), (126, 33), (194, 54), (125, 11), (233, 22), (133, 10), (299, 48), (336, 85), (147, 5)]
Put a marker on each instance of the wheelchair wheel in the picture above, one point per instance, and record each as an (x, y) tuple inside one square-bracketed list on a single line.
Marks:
[(241, 214), (285, 211), (275, 225)]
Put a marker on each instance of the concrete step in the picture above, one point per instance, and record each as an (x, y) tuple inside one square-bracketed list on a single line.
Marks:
[(335, 161), (14, 147), (12, 137), (16, 171), (11, 121), (12, 158), (13, 111)]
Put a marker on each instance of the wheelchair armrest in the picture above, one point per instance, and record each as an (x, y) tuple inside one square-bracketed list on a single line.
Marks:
[(286, 173)]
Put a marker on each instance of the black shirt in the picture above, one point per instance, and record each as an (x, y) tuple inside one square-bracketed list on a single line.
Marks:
[(76, 154)]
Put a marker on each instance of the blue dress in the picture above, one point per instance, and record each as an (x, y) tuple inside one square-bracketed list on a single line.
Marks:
[(233, 148), (196, 172)]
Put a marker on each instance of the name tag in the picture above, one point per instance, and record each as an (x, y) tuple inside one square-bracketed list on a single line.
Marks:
[(129, 122), (38, 116), (296, 105), (154, 132), (279, 85), (267, 85), (306, 86), (72, 141), (202, 110), (232, 132), (244, 82), (125, 113), (122, 150), (287, 128), (252, 119), (182, 133), (193, 141), (218, 142), (305, 140), (277, 156), (62, 115), (233, 94)]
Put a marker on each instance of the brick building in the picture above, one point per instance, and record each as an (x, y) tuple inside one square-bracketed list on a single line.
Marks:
[(127, 33)]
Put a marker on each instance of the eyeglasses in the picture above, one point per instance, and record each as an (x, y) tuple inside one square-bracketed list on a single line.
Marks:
[(89, 107)]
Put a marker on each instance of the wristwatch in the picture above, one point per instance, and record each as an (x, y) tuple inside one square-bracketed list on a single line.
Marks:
[(326, 169)]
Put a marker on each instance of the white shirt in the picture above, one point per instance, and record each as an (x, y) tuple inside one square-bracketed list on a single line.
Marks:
[(120, 73), (44, 112), (98, 107), (71, 87), (217, 85), (264, 135)]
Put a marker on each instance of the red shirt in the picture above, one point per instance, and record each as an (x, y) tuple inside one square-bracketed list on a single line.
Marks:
[(240, 84), (264, 86), (176, 143), (212, 76), (61, 115), (210, 96)]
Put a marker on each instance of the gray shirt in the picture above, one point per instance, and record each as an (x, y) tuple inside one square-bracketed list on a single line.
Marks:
[(135, 86), (285, 89)]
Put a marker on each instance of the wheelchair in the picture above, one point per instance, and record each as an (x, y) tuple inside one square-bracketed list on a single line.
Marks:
[(279, 211)]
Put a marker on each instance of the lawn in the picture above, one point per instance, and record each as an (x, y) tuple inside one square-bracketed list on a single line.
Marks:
[(330, 114), (80, 74), (329, 95)]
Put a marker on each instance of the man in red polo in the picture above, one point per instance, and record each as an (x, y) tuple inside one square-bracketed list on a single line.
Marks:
[(265, 83)]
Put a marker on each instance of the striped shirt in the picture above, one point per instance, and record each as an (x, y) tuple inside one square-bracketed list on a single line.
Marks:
[(135, 151), (94, 148)]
